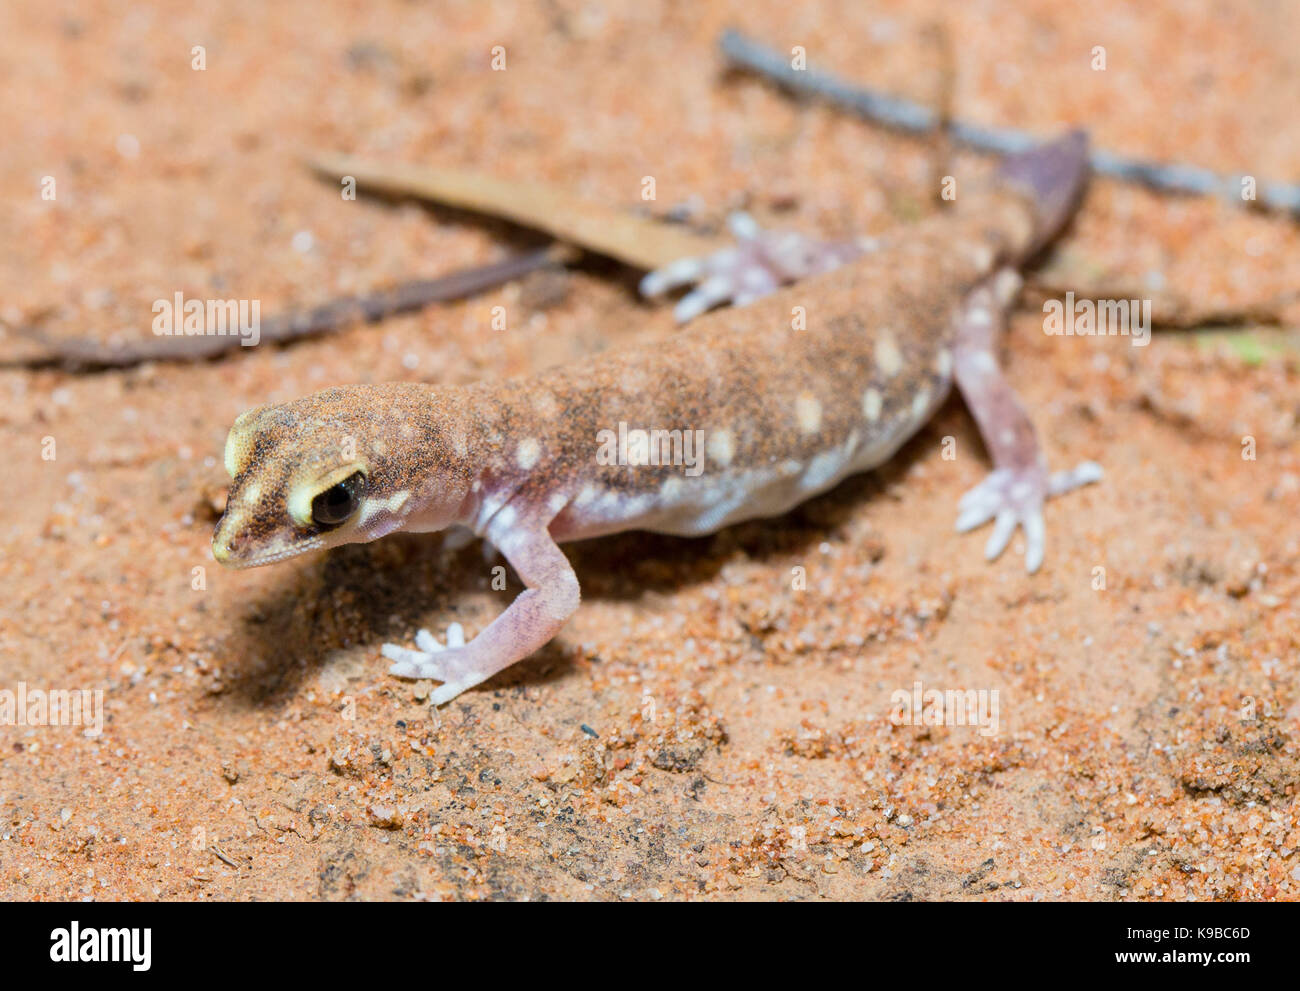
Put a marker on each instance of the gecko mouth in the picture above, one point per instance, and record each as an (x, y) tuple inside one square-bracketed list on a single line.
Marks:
[(221, 551)]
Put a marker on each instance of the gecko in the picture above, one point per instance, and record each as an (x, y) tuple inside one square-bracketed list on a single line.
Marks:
[(743, 414)]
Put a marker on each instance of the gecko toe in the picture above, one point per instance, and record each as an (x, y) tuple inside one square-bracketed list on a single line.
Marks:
[(1035, 541), (414, 665), (975, 516), (1001, 536), (1082, 474), (712, 291), (743, 226), (427, 642), (445, 693), (672, 275), (403, 655)]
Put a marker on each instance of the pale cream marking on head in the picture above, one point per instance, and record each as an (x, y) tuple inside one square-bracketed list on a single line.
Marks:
[(372, 507), (721, 447), (239, 445), (872, 402), (252, 492), (528, 452), (943, 363), (888, 358), (808, 411), (983, 362), (505, 517), (979, 316)]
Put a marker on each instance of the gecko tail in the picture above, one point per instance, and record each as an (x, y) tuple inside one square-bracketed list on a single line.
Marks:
[(1053, 175)]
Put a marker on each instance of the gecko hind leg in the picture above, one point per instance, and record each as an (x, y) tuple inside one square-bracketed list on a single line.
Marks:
[(1013, 494), (759, 264)]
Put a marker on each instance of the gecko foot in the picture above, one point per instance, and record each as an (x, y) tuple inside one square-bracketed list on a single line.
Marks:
[(447, 663), (1014, 497), (760, 263)]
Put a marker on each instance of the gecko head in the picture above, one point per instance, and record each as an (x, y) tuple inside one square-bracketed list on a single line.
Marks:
[(318, 472)]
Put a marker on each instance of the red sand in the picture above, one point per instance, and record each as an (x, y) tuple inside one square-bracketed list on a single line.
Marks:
[(254, 746)]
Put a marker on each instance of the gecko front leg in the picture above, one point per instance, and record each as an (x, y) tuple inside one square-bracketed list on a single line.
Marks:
[(1014, 492), (759, 264), (533, 619)]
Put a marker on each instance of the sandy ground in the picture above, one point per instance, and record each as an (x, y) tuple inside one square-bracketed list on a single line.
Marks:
[(741, 744)]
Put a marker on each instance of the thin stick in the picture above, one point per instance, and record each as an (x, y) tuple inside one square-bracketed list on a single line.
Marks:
[(79, 354), (913, 118)]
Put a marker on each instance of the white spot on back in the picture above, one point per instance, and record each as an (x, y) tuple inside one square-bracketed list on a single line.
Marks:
[(545, 405), (943, 363), (872, 402), (888, 358), (1007, 285), (981, 255), (921, 403), (808, 411), (721, 447), (528, 452)]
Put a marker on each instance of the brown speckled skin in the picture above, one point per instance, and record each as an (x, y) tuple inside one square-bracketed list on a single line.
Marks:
[(744, 370)]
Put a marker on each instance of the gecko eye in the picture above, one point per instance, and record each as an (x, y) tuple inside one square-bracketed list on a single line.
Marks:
[(338, 502)]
